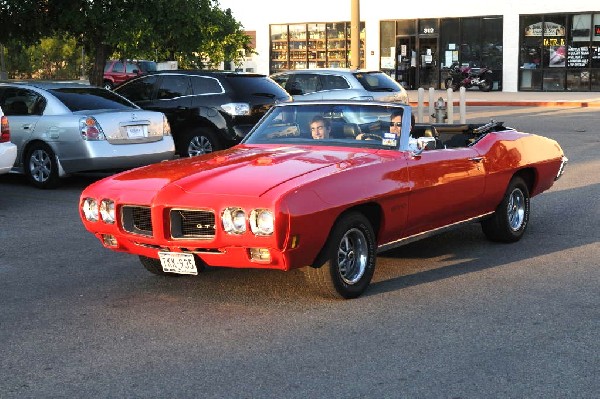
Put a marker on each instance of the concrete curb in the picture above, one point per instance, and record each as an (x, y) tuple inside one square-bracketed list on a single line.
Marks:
[(532, 103)]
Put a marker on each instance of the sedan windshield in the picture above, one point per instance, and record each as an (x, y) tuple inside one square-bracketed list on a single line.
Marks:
[(90, 98)]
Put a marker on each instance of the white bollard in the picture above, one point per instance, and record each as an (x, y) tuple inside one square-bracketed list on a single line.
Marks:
[(450, 106), (421, 92), (431, 104), (463, 105)]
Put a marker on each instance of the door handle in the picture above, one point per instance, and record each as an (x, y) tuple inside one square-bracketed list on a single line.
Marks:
[(26, 126), (476, 159)]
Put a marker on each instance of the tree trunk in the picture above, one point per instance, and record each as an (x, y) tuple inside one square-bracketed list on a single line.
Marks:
[(101, 53)]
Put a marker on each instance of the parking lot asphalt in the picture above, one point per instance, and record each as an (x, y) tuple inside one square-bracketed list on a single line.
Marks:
[(475, 97)]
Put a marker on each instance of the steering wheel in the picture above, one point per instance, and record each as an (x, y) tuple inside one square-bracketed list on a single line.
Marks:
[(370, 136)]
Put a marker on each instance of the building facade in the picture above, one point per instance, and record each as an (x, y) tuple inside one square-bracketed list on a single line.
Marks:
[(530, 46)]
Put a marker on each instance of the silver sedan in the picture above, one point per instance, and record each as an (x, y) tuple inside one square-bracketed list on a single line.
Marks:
[(63, 128)]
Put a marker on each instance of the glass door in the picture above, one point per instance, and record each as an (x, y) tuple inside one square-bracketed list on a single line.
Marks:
[(428, 65), (406, 61)]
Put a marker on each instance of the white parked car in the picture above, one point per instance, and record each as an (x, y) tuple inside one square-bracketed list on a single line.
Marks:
[(8, 151), (341, 84), (62, 128)]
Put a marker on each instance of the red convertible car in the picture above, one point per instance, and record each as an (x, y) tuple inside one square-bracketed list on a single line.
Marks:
[(284, 200)]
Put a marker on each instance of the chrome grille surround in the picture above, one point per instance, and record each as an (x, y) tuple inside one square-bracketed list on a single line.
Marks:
[(193, 223)]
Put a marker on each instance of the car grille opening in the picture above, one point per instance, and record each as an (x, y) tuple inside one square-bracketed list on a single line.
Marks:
[(192, 224), (137, 220)]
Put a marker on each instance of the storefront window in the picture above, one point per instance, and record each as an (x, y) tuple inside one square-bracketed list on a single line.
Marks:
[(595, 48), (313, 45), (470, 48), (387, 49), (279, 47), (405, 27), (449, 41), (554, 43), (491, 51)]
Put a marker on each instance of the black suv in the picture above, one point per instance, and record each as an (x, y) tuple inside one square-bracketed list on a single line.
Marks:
[(207, 111)]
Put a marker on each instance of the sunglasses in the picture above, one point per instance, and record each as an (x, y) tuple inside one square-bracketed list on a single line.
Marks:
[(397, 124)]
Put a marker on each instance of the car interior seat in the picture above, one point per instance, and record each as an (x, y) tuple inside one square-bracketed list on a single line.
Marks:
[(19, 108)]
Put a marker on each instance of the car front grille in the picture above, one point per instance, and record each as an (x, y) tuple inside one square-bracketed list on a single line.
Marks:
[(193, 224), (137, 220)]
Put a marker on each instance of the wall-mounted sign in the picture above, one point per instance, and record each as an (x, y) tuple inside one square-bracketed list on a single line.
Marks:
[(596, 30), (550, 29)]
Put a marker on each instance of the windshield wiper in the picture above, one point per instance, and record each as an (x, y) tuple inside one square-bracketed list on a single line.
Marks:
[(269, 95)]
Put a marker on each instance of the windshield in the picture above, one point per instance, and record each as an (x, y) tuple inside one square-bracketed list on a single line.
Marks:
[(345, 124), (90, 98)]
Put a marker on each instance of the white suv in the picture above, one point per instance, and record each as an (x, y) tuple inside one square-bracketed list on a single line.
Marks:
[(341, 84), (8, 151)]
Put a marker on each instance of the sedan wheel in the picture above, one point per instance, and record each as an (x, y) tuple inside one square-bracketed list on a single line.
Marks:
[(199, 143), (350, 254), (41, 166), (509, 221)]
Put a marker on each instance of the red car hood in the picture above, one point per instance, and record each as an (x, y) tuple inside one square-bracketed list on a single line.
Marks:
[(242, 170)]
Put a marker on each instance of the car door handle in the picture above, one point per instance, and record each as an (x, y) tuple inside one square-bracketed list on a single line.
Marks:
[(476, 159), (27, 126)]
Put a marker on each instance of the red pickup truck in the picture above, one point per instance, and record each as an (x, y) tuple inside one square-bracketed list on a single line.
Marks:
[(118, 71)]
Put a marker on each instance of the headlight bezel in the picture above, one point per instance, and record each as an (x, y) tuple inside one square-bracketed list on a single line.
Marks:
[(107, 210), (90, 209), (262, 222), (234, 220)]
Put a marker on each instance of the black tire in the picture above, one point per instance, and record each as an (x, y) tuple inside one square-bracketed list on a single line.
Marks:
[(107, 85), (486, 85), (350, 255), (448, 84), (198, 143), (509, 221), (41, 166)]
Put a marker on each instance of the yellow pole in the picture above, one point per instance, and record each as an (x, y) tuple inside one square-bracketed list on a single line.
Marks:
[(355, 35)]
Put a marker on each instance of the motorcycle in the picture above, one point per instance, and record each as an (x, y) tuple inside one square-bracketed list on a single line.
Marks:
[(468, 77)]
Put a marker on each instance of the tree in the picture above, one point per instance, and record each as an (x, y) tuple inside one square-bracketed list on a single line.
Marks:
[(195, 32)]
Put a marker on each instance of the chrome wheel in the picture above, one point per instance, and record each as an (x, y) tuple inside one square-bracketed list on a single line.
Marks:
[(516, 209), (352, 256), (509, 221), (349, 259), (40, 165), (199, 145)]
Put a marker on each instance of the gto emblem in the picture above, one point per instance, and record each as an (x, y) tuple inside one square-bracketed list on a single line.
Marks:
[(203, 226)]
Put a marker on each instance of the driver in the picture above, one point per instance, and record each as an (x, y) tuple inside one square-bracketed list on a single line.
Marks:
[(320, 128), (395, 127)]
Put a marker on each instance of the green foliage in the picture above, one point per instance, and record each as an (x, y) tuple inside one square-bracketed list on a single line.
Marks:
[(52, 58), (196, 33)]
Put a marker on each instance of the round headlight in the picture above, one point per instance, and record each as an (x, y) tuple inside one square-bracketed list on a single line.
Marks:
[(262, 222), (89, 207), (107, 211), (234, 220)]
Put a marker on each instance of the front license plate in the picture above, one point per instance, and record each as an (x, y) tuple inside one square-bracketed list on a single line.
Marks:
[(136, 132), (178, 262)]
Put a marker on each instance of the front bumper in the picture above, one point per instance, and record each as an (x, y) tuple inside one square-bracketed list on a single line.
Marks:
[(561, 170)]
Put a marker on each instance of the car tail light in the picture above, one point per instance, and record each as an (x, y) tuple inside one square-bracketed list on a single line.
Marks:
[(90, 130), (4, 131)]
